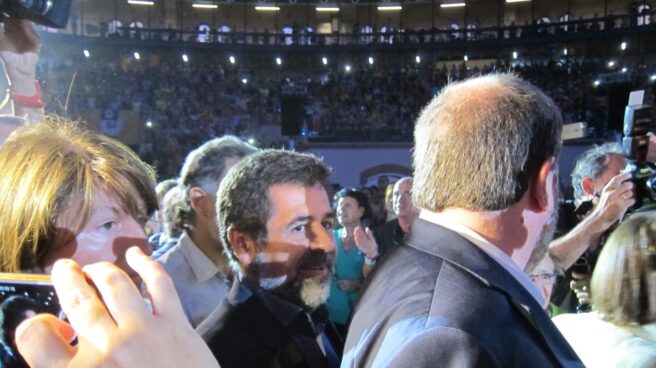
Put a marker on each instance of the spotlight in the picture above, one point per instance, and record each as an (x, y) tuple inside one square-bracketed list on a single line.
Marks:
[(231, 59), (324, 60), (347, 68), (149, 124), (466, 58), (565, 51), (371, 60), (624, 70), (185, 58), (417, 59), (653, 77), (514, 55), (278, 60), (623, 46), (86, 53), (611, 64), (251, 140), (137, 56), (597, 83), (244, 80)]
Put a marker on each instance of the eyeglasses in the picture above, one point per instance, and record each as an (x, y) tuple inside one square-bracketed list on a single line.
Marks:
[(544, 278)]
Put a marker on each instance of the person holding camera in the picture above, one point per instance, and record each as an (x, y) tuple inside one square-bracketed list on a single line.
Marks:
[(603, 194)]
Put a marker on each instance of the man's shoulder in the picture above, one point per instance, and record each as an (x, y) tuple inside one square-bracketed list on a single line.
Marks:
[(173, 258)]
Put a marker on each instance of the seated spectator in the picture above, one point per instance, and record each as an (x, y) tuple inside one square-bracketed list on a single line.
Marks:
[(621, 329), (352, 209)]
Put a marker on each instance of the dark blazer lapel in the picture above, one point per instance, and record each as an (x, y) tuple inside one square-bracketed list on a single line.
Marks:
[(470, 258)]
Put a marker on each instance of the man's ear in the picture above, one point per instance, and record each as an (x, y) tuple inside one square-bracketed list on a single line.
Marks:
[(198, 200), (542, 185), (587, 184), (243, 245)]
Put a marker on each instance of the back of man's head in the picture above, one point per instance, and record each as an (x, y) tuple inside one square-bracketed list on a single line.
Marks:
[(480, 141), (205, 167), (242, 199)]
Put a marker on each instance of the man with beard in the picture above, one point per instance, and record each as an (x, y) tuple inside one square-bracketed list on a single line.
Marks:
[(275, 223), (455, 294)]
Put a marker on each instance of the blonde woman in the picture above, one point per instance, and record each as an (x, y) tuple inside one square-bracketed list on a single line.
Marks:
[(71, 193), (621, 329)]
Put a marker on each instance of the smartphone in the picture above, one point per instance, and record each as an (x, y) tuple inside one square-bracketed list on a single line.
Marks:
[(22, 296)]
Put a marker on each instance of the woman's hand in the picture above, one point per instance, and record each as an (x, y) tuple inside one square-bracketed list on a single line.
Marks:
[(365, 241), (349, 285), (114, 326)]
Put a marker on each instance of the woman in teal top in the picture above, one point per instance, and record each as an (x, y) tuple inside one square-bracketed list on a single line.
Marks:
[(352, 208)]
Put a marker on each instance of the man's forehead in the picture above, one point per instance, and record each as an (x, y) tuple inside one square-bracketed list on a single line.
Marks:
[(297, 197)]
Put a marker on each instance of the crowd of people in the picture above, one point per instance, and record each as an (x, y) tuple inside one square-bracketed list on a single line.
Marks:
[(187, 102), (263, 268)]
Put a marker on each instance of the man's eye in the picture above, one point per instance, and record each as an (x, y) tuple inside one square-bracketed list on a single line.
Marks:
[(328, 225), (300, 227)]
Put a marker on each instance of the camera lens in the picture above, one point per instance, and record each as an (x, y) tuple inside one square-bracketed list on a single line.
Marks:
[(41, 7)]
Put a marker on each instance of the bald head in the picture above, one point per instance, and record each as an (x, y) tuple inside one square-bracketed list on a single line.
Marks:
[(402, 198), (480, 141)]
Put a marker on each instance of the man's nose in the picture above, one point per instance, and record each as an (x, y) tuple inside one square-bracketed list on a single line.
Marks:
[(322, 239)]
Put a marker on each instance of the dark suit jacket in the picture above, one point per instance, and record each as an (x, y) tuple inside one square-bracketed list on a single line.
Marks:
[(440, 301), (244, 332)]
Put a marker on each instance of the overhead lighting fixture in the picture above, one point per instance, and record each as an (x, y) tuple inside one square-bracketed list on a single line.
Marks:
[(624, 70), (141, 2), (267, 8), (204, 6), (278, 60), (371, 60), (466, 58), (136, 55), (327, 8), (653, 78), (514, 54), (347, 68), (417, 59), (86, 53), (389, 7), (517, 1), (597, 83), (324, 60), (611, 64), (565, 51), (244, 80), (623, 46), (185, 58), (149, 124), (452, 5), (232, 59)]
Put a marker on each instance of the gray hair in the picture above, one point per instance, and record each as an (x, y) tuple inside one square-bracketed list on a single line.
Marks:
[(592, 164), (479, 142), (242, 199), (204, 167)]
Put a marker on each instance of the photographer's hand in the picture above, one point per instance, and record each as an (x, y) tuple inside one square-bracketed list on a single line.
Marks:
[(118, 330), (609, 207)]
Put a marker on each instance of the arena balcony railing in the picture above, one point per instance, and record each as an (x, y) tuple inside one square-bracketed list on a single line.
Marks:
[(434, 37)]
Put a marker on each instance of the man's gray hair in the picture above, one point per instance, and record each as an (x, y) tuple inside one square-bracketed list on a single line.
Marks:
[(242, 199), (204, 167), (592, 164), (479, 142)]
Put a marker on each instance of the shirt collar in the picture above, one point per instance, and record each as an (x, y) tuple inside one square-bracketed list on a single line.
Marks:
[(202, 267), (486, 246)]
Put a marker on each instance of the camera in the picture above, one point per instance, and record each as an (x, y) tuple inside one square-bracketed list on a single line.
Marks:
[(50, 13), (638, 121)]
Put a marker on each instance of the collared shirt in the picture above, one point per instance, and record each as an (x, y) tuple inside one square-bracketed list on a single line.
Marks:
[(198, 281), (486, 246)]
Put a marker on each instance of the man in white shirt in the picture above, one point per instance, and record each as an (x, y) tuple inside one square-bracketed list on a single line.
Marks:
[(455, 293)]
